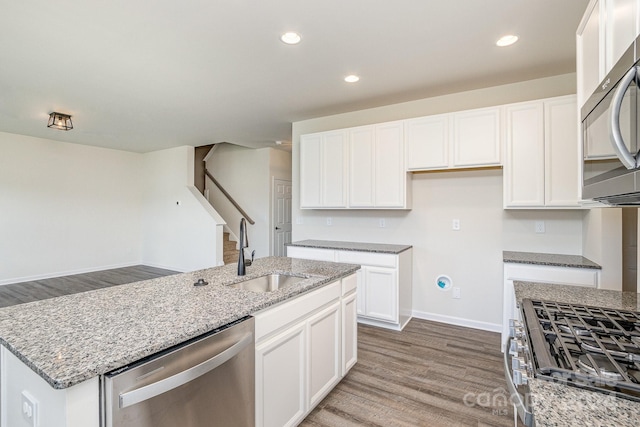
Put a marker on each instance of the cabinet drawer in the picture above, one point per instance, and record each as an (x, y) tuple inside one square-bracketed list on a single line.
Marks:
[(274, 318), (311, 253), (349, 283), (552, 274), (367, 258)]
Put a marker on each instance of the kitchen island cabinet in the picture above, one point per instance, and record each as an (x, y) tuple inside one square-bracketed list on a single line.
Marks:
[(384, 280), (57, 349)]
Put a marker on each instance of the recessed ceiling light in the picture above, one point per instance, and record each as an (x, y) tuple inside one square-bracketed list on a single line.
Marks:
[(507, 40), (290, 38), (352, 78)]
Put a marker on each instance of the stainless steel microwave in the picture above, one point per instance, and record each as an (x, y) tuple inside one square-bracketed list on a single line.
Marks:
[(611, 140)]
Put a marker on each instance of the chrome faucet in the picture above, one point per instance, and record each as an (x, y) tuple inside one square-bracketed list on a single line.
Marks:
[(244, 243)]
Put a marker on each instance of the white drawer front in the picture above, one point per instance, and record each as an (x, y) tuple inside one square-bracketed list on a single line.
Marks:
[(274, 318), (349, 283), (367, 258), (311, 253), (552, 274)]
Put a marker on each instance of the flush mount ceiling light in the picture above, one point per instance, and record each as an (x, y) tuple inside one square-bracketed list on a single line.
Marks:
[(352, 78), (507, 40), (60, 121), (290, 38)]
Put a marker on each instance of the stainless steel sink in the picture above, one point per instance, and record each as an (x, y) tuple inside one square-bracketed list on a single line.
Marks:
[(268, 283)]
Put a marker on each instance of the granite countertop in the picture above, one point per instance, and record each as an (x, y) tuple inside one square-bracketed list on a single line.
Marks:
[(70, 339), (559, 260), (557, 404), (352, 246)]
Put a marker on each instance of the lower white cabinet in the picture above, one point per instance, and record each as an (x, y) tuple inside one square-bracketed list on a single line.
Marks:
[(384, 282), (304, 347), (324, 333), (378, 288), (280, 378)]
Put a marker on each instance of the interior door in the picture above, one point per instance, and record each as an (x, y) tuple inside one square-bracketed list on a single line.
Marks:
[(281, 216)]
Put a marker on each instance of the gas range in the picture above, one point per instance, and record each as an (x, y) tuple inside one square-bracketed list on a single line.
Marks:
[(592, 348)]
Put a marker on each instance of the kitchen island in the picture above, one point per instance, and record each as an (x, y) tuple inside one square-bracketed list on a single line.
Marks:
[(69, 342), (556, 404)]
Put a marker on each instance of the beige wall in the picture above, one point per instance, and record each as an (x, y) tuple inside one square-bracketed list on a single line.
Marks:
[(472, 257)]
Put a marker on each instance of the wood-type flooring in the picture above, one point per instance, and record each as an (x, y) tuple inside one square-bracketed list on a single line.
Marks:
[(430, 374), (18, 293)]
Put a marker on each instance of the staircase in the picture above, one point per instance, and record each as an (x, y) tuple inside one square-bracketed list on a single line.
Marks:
[(229, 251)]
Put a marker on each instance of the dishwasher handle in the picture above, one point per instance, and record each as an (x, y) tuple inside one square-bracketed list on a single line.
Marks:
[(154, 389)]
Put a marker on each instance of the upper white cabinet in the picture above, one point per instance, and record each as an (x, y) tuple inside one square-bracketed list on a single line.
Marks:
[(456, 140), (323, 170), (607, 29), (377, 176), (356, 168), (428, 142), (476, 138), (541, 167)]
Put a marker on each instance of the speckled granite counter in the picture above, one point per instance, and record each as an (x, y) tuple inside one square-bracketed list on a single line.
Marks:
[(351, 246), (561, 405), (70, 339), (575, 261)]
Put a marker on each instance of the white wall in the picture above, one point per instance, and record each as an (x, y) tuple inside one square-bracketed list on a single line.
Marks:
[(69, 208), (179, 234), (247, 174), (602, 237), (471, 256), (66, 208)]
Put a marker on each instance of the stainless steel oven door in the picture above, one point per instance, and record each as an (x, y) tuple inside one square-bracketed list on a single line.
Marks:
[(517, 371)]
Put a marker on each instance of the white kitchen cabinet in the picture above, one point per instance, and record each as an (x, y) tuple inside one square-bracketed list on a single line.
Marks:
[(380, 293), (323, 170), (590, 50), (465, 139), (621, 29), (539, 274), (300, 348), (476, 138), (280, 379), (324, 341), (384, 283), (607, 29), (542, 165), (355, 168), (377, 177), (349, 332), (427, 141)]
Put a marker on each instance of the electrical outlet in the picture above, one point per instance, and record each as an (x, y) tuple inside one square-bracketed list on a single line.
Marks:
[(455, 224), (299, 220), (539, 226), (456, 293), (382, 223), (329, 221), (29, 409)]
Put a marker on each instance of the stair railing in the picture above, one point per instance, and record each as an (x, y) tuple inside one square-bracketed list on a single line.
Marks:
[(228, 196)]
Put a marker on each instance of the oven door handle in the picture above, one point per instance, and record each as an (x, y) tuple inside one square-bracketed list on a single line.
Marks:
[(628, 160), (525, 415)]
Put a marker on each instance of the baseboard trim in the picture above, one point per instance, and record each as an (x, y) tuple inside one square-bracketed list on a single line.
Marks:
[(458, 321), (67, 273)]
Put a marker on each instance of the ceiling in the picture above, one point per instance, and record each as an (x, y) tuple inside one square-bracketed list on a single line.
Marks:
[(142, 75)]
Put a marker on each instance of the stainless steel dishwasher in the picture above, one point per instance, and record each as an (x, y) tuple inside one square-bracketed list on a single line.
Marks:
[(208, 381)]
